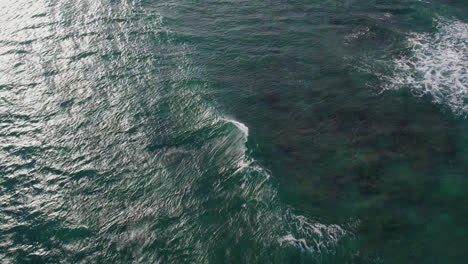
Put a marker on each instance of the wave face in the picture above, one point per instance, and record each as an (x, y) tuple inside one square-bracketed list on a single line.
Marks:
[(437, 65)]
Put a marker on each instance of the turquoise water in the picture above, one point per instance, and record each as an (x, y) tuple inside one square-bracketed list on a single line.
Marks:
[(233, 131)]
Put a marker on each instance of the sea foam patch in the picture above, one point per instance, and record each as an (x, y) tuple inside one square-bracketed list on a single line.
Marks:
[(437, 65)]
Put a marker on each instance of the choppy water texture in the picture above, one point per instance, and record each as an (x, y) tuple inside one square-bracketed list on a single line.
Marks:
[(233, 131)]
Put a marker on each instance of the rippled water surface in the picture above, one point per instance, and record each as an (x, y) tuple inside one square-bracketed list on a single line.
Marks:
[(233, 131)]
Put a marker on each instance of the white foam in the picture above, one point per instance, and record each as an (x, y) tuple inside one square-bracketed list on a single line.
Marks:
[(437, 66), (298, 243), (314, 237), (243, 164)]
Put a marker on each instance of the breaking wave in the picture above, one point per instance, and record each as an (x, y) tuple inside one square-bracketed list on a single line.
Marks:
[(290, 229)]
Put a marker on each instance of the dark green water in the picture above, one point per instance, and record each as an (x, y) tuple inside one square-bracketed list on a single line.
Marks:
[(233, 131)]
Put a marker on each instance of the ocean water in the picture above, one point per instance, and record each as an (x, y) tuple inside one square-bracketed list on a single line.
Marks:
[(236, 131)]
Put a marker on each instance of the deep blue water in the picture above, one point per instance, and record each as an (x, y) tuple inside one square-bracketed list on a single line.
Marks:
[(233, 131)]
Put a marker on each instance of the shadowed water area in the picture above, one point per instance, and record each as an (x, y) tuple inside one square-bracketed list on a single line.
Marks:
[(233, 131)]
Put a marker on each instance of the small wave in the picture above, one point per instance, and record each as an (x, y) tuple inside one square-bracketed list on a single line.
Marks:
[(438, 65)]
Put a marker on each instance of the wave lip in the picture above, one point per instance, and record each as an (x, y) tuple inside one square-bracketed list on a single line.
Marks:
[(242, 127), (438, 65)]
